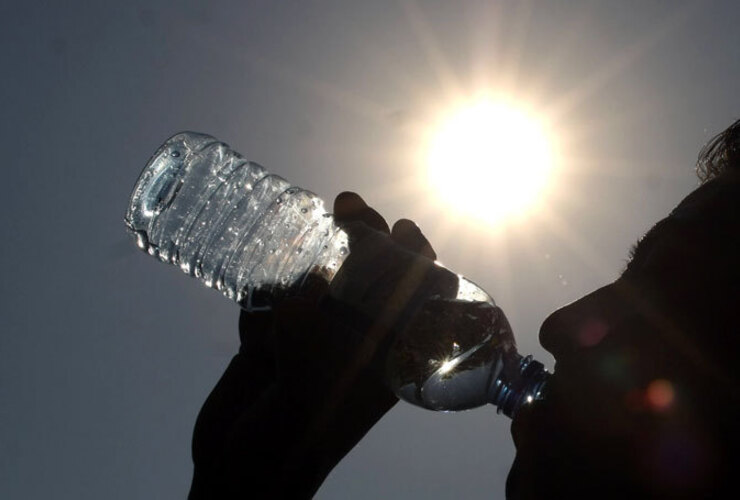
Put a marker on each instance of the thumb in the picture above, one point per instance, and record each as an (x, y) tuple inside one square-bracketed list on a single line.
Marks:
[(349, 207)]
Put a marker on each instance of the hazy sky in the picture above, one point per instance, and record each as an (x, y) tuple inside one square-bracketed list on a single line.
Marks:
[(106, 355)]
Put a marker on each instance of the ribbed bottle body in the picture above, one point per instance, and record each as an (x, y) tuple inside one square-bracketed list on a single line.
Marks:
[(230, 223)]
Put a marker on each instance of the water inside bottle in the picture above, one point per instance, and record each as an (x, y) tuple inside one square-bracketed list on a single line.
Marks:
[(451, 342), (451, 354), (228, 222)]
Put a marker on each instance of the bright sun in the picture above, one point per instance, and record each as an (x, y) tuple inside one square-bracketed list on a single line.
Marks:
[(490, 159)]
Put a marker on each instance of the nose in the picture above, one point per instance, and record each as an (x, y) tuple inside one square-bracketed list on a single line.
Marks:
[(583, 323)]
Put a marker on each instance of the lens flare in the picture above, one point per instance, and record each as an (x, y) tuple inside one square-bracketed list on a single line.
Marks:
[(660, 395)]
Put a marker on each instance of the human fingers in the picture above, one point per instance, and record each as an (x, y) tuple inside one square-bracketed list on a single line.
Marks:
[(407, 234), (350, 207)]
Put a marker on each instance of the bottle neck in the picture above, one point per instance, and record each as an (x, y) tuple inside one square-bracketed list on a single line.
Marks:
[(521, 385)]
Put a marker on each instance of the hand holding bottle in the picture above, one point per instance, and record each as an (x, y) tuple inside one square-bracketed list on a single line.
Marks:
[(302, 391)]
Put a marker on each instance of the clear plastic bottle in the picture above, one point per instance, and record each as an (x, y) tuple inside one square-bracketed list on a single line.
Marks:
[(250, 234)]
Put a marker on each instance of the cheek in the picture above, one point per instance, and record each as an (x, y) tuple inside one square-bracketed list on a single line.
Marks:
[(607, 388), (679, 459), (591, 333)]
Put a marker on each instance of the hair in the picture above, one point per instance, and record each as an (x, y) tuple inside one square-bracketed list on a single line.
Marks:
[(721, 155)]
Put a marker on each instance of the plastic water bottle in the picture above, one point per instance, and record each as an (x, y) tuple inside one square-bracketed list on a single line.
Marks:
[(250, 234)]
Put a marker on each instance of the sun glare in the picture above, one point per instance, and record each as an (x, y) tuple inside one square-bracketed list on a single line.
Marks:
[(490, 160)]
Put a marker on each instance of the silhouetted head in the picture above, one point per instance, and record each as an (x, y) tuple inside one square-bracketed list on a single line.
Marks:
[(644, 399)]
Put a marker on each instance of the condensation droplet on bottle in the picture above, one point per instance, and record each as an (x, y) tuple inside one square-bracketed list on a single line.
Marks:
[(278, 200), (175, 154), (304, 210), (343, 251), (141, 240)]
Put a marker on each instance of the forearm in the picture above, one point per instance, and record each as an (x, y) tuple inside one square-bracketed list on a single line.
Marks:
[(282, 449)]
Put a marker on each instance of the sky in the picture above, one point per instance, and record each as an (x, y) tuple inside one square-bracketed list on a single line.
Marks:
[(106, 355)]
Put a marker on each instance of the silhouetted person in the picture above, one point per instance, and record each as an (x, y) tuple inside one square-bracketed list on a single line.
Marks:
[(643, 401)]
